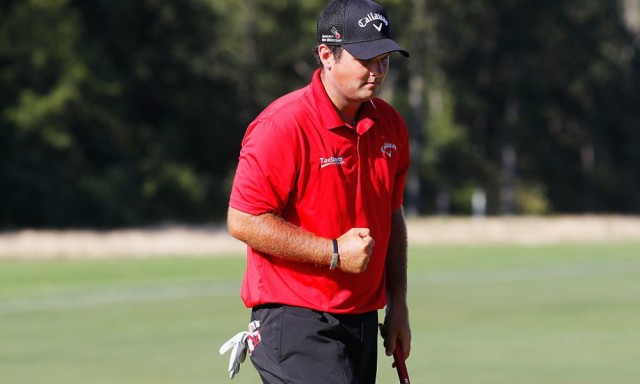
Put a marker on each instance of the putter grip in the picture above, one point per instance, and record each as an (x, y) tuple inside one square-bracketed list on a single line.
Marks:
[(401, 366)]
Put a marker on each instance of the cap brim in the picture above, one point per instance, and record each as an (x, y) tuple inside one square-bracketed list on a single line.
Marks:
[(367, 50)]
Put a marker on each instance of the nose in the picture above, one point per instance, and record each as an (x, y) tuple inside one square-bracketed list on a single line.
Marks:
[(377, 68)]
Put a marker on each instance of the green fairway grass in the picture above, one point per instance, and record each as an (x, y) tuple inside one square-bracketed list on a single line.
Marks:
[(553, 314)]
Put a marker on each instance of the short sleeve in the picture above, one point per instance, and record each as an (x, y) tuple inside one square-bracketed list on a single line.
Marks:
[(267, 169)]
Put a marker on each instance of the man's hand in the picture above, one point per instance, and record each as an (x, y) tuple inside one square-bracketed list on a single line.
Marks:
[(355, 248), (397, 329)]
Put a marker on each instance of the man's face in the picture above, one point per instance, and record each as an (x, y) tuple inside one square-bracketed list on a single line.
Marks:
[(354, 80)]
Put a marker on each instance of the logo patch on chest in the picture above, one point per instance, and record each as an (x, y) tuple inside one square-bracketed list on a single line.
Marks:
[(388, 149), (333, 160)]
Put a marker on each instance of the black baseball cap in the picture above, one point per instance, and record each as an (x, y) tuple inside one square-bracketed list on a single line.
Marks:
[(360, 26)]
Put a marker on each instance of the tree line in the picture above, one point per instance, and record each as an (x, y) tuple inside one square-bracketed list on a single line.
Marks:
[(118, 113)]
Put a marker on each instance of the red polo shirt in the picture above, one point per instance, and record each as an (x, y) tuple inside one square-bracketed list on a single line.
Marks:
[(300, 161)]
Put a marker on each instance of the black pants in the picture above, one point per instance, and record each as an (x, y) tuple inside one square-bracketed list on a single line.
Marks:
[(303, 346)]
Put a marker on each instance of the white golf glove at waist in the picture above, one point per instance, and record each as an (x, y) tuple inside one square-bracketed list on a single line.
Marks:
[(239, 344)]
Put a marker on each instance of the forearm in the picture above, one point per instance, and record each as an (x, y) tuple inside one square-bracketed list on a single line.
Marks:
[(396, 322), (396, 263), (271, 234)]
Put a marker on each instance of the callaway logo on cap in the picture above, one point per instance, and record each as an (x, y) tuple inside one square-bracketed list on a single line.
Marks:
[(360, 26)]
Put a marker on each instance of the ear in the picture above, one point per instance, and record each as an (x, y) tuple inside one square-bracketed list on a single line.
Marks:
[(325, 56)]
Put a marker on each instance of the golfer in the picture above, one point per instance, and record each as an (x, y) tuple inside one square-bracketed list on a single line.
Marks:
[(317, 198)]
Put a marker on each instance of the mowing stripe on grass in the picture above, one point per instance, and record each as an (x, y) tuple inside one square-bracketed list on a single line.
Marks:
[(122, 294), (73, 299), (479, 276)]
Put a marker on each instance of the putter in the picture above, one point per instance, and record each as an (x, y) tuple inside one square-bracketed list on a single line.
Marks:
[(398, 360)]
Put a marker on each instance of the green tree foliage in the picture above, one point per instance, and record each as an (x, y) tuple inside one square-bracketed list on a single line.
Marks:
[(166, 118), (553, 80), (112, 113), (42, 76), (132, 112)]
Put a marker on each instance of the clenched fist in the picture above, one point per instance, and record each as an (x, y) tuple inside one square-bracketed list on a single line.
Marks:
[(355, 248)]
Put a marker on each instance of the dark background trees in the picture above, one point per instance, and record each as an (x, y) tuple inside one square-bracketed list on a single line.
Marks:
[(120, 113)]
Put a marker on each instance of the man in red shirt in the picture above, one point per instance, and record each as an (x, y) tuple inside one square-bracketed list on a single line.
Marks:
[(317, 198)]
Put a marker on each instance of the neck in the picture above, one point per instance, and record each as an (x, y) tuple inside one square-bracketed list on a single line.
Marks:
[(349, 117)]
